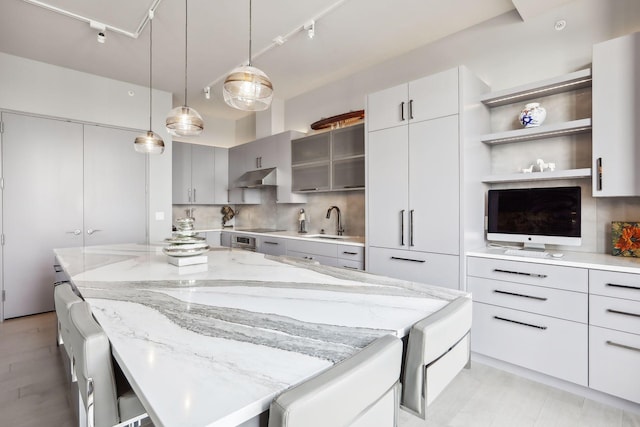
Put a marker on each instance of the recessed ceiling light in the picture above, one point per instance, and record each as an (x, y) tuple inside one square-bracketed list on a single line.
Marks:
[(560, 25), (131, 93)]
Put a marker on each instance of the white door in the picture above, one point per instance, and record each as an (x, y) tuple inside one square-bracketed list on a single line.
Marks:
[(115, 201), (434, 186), (388, 108), (42, 206), (387, 188)]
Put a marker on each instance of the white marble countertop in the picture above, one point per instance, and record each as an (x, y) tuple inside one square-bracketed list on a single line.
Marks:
[(590, 260), (213, 344)]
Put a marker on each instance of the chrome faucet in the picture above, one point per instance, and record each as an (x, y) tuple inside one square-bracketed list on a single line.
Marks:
[(339, 230)]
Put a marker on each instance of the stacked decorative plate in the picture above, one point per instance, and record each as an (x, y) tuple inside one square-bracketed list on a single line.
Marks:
[(185, 242)]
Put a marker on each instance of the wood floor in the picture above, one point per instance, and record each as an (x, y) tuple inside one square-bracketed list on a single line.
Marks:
[(33, 391)]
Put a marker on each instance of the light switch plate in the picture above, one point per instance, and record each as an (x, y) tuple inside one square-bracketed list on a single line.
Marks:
[(159, 216)]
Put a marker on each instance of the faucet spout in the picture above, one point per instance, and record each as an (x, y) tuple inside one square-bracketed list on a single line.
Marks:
[(339, 229)]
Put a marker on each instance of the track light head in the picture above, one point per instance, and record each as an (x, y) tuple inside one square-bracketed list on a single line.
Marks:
[(310, 26), (101, 37)]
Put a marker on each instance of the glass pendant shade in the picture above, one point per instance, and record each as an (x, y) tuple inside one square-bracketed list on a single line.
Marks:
[(248, 88), (184, 121), (149, 143)]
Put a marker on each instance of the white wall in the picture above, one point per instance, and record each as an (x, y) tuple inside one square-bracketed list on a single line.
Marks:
[(38, 88), (504, 52)]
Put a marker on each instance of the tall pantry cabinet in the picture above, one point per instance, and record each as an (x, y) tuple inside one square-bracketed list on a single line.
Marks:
[(422, 191), (64, 184)]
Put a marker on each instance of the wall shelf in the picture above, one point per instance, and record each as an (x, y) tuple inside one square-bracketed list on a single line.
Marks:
[(539, 176), (550, 131), (565, 83)]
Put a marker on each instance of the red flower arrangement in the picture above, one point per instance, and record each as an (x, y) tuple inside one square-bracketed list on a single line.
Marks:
[(625, 237)]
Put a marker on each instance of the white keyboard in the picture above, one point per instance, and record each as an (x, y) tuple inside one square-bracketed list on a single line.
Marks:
[(527, 253)]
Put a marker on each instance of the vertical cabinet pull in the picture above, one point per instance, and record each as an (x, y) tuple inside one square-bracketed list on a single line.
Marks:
[(411, 227), (194, 195), (411, 109), (402, 227), (189, 195), (599, 172), (402, 111)]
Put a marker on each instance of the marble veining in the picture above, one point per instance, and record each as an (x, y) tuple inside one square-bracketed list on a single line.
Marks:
[(212, 347)]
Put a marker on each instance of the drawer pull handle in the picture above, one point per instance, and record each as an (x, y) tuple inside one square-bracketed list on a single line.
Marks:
[(271, 243), (350, 268), (520, 323), (613, 285), (498, 291), (57, 268), (350, 253), (610, 310), (541, 276), (309, 189), (407, 259), (628, 347)]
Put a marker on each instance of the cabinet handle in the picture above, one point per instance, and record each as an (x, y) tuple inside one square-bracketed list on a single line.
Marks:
[(402, 227), (411, 109), (350, 268), (402, 111), (75, 232), (599, 172), (352, 186), (411, 228), (350, 253), (498, 291), (407, 259), (613, 285), (541, 276), (91, 231), (194, 195), (610, 310), (270, 243), (520, 323), (628, 347), (309, 189)]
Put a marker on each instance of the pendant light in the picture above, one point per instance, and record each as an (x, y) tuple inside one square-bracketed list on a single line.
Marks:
[(150, 142), (248, 88), (184, 120)]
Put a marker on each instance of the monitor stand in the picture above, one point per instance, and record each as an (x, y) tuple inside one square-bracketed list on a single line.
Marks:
[(534, 247)]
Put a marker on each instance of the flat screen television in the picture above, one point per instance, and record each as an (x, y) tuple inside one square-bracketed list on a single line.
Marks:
[(535, 216)]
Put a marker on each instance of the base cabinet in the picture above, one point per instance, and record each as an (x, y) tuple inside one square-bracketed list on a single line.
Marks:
[(578, 324), (422, 267)]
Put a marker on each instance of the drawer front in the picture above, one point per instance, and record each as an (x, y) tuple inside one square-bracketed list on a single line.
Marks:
[(350, 264), (355, 253), (534, 299), (550, 276), (615, 313), (272, 246), (552, 346), (316, 248), (614, 363), (619, 285), (421, 267), (324, 260)]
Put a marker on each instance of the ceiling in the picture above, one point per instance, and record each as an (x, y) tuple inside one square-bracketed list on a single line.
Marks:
[(350, 35)]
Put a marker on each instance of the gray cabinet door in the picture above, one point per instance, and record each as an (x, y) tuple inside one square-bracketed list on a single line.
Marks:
[(115, 208), (434, 186), (202, 174), (221, 183), (42, 206), (616, 129), (388, 183), (181, 173)]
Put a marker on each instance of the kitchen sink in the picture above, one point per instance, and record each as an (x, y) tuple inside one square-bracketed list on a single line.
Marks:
[(326, 236)]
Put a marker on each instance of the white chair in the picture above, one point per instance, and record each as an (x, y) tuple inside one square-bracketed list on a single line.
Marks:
[(359, 391), (64, 298), (437, 351), (94, 370)]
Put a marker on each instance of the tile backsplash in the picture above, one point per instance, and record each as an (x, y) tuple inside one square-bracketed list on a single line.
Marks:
[(270, 214)]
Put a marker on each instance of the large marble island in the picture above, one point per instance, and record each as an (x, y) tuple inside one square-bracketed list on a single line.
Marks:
[(213, 344)]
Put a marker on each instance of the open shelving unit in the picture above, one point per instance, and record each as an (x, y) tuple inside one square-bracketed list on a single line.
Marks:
[(565, 83)]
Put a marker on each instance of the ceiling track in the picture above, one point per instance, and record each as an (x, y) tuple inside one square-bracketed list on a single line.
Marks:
[(135, 35), (284, 38)]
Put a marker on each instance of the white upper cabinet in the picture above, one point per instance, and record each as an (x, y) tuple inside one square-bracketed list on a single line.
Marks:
[(616, 128), (423, 99), (200, 174)]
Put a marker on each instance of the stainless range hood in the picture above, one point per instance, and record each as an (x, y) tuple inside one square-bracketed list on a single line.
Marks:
[(257, 178)]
